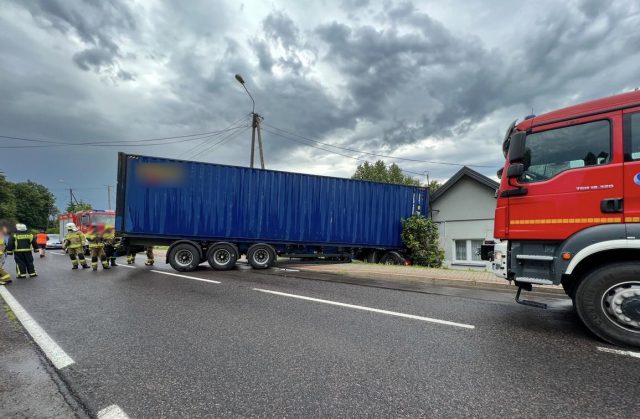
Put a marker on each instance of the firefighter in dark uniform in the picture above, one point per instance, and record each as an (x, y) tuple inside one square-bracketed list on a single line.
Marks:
[(109, 238), (74, 245), (96, 246), (22, 245)]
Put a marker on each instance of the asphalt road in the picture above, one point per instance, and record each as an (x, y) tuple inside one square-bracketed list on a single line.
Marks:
[(157, 345)]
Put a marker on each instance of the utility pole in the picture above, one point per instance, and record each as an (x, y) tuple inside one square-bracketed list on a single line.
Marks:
[(255, 127), (109, 196)]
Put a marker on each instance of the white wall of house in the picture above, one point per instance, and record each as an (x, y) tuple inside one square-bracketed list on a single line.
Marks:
[(464, 215)]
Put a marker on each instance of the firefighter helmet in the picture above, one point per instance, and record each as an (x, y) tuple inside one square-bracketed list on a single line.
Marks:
[(21, 227), (71, 227)]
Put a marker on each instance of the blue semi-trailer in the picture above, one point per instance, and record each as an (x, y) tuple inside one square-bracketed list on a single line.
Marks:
[(217, 213)]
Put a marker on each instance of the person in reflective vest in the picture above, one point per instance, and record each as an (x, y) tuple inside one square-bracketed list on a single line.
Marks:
[(21, 244), (109, 238), (131, 256), (41, 239), (5, 278), (74, 246), (96, 247)]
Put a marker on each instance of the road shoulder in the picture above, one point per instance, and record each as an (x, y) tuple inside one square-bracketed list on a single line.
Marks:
[(27, 387)]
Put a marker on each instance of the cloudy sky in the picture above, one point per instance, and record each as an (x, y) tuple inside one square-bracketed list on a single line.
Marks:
[(437, 81)]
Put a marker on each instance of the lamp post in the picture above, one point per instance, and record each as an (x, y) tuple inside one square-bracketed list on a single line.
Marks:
[(255, 125)]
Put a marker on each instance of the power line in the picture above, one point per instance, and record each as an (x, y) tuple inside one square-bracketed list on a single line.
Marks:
[(335, 152), (374, 154), (205, 139), (120, 143), (222, 141)]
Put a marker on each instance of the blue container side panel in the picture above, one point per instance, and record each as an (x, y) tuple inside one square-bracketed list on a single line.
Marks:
[(208, 201)]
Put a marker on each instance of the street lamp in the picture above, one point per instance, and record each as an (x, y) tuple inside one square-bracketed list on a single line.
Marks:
[(255, 125)]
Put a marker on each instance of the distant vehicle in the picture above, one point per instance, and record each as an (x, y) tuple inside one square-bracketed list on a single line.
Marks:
[(54, 241), (216, 213), (568, 211)]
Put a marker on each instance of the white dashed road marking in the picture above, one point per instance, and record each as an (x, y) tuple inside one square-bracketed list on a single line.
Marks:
[(374, 310), (112, 412), (56, 355), (56, 253), (126, 266), (186, 276), (618, 352)]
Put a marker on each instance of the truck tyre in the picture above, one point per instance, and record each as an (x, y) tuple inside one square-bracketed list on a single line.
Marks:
[(261, 256), (392, 258), (608, 302), (222, 256), (184, 257)]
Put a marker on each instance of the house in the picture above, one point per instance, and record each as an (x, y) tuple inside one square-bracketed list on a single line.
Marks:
[(463, 208)]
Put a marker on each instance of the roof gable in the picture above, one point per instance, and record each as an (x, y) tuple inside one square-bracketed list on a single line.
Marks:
[(464, 172)]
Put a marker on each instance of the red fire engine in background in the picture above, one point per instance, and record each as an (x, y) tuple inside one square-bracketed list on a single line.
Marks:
[(86, 220), (568, 211)]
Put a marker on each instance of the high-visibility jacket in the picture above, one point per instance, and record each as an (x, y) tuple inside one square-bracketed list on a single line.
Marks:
[(41, 238), (22, 242), (74, 240), (109, 237), (95, 240), (2, 246)]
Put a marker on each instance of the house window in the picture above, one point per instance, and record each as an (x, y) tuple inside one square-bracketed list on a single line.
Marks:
[(466, 252)]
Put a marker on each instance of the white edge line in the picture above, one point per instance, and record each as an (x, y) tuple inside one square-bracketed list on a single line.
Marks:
[(195, 278), (51, 349), (374, 310), (618, 352), (56, 253), (125, 266), (112, 412)]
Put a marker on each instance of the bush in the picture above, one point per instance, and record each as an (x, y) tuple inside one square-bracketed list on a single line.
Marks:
[(420, 236)]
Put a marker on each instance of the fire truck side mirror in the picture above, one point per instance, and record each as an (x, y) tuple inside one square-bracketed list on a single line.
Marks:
[(515, 170), (517, 147)]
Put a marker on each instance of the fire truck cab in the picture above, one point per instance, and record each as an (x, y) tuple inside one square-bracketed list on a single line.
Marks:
[(568, 211)]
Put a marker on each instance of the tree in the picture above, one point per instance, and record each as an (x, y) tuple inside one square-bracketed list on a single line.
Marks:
[(420, 235), (79, 206), (379, 172), (7, 200), (434, 185), (34, 204)]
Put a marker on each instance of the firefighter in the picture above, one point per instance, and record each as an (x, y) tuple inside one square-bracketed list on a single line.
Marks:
[(21, 244), (5, 278), (96, 246), (74, 244), (109, 238), (41, 239), (131, 256)]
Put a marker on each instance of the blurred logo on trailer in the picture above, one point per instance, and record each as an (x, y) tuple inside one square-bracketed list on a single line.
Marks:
[(160, 174)]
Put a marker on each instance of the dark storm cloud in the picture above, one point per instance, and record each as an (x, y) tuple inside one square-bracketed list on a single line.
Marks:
[(367, 75), (426, 75), (96, 23)]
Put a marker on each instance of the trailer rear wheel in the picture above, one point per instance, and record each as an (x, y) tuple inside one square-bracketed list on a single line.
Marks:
[(392, 258), (184, 257), (222, 256), (261, 256), (608, 302)]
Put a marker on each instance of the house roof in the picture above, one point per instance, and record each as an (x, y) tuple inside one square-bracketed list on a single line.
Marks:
[(470, 173)]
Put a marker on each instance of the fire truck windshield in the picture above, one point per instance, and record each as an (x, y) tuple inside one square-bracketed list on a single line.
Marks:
[(103, 219)]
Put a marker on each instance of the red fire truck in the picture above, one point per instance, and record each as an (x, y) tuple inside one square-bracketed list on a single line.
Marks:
[(86, 220), (568, 211)]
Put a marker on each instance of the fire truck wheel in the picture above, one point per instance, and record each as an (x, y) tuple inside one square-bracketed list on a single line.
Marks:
[(184, 257), (608, 302), (261, 256), (222, 256)]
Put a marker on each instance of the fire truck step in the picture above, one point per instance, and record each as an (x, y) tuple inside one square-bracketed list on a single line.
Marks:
[(528, 302)]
